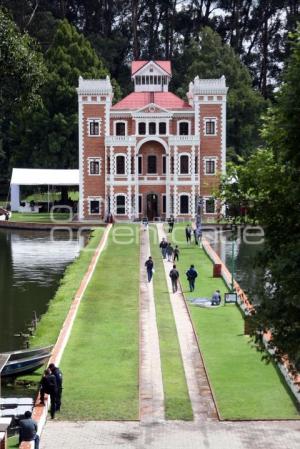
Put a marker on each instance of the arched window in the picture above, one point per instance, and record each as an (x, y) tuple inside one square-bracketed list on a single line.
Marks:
[(142, 128), (183, 128), (209, 206), (184, 204), (184, 164), (120, 165), (151, 168), (162, 128), (120, 129), (152, 128), (120, 205)]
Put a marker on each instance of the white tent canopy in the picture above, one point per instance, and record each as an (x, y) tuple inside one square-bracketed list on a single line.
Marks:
[(39, 177), (45, 177)]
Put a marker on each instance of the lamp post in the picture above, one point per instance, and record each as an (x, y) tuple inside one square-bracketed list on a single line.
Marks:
[(233, 228), (198, 218), (232, 266)]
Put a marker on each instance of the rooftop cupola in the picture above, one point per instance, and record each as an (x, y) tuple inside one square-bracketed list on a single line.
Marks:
[(151, 76)]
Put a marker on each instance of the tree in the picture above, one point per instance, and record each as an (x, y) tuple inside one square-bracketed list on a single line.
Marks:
[(269, 183), (22, 74), (209, 58), (48, 137)]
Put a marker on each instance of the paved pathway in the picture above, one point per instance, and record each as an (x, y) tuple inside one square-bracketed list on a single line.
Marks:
[(171, 435), (151, 386), (198, 387)]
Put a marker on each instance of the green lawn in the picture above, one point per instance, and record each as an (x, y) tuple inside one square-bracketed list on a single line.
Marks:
[(44, 217), (51, 322), (245, 387), (13, 442), (177, 402), (100, 363)]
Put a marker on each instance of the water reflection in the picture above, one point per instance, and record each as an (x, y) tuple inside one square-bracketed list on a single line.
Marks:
[(31, 266), (247, 274)]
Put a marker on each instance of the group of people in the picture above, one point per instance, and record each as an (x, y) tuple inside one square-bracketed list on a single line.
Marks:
[(168, 252), (189, 231), (171, 254), (51, 384)]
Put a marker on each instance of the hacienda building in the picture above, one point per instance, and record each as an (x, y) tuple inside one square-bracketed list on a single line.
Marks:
[(151, 154)]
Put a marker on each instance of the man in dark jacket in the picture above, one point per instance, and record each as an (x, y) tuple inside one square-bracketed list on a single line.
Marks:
[(174, 275), (49, 386), (28, 430), (59, 379), (149, 267), (188, 234), (171, 224), (191, 275), (163, 246)]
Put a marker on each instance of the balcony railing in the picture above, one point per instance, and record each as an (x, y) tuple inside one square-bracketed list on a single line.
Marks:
[(120, 140), (184, 140)]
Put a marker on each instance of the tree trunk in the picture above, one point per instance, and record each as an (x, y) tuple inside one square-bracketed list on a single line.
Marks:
[(135, 42)]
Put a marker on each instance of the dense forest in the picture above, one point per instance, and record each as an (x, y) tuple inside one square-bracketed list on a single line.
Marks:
[(56, 40)]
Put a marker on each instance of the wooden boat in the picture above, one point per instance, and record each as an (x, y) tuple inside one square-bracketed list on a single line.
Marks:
[(25, 361)]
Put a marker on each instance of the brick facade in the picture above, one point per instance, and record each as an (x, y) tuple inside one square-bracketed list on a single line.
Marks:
[(151, 154)]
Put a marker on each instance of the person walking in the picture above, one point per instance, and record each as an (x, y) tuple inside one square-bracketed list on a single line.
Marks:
[(191, 275), (49, 386), (171, 224), (170, 252), (145, 223), (195, 236), (174, 275), (59, 380), (149, 267), (176, 253), (163, 246), (188, 234), (28, 430)]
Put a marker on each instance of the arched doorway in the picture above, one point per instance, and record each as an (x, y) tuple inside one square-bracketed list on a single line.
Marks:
[(152, 206)]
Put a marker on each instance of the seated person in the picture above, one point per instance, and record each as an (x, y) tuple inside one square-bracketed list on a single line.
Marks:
[(216, 298), (28, 430)]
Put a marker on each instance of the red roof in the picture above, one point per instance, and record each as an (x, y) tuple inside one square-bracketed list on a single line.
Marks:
[(137, 100), (137, 65)]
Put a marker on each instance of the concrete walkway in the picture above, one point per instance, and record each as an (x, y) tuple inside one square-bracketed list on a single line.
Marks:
[(151, 386), (171, 435), (198, 387)]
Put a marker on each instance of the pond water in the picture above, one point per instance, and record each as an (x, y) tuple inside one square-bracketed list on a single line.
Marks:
[(244, 252), (31, 266)]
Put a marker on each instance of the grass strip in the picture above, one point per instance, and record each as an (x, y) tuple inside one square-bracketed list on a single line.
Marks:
[(245, 386), (177, 401), (13, 442), (100, 363), (51, 322), (44, 217)]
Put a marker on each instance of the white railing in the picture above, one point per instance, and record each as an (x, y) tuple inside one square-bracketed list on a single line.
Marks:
[(184, 140), (120, 140)]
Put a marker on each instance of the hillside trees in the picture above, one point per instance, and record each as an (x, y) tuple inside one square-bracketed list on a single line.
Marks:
[(47, 137), (147, 29), (208, 57), (269, 185), (22, 73)]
